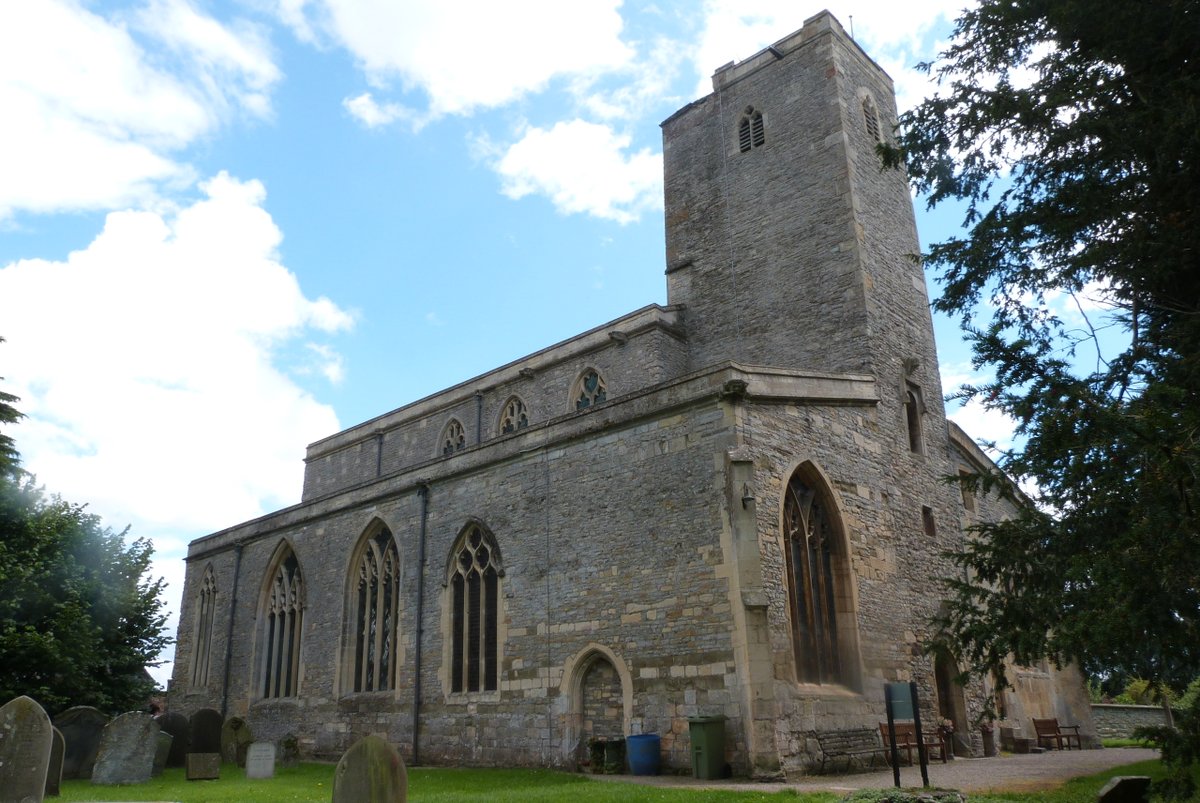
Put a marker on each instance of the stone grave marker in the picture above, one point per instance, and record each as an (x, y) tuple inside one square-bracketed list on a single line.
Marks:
[(260, 760), (371, 771), (54, 769), (235, 738), (161, 751), (25, 743), (1125, 789), (81, 727), (287, 752), (177, 725), (127, 749), (205, 731), (203, 766)]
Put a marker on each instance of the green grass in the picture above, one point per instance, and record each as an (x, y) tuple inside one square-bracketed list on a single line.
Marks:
[(1125, 743), (1078, 790)]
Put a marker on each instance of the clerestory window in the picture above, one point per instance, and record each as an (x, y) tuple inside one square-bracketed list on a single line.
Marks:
[(454, 437), (474, 591), (590, 390), (513, 416)]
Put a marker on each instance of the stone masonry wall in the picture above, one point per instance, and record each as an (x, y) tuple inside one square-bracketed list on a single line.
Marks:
[(1120, 721)]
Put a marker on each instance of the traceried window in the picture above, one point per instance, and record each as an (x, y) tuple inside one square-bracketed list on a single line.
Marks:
[(202, 647), (454, 437), (513, 416), (474, 587), (815, 596), (590, 390), (283, 625), (375, 602), (871, 119), (751, 133), (914, 408)]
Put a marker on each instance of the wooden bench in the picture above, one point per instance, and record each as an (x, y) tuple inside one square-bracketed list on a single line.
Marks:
[(853, 745), (906, 741), (1049, 730)]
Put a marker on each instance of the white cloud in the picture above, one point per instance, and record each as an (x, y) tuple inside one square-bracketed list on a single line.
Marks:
[(101, 119), (976, 419), (367, 111), (469, 55), (609, 183)]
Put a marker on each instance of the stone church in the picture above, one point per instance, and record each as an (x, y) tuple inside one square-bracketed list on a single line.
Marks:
[(729, 505)]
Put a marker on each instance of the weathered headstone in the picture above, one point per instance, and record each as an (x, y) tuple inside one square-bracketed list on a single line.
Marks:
[(203, 766), (287, 753), (127, 749), (371, 771), (235, 738), (1125, 789), (177, 725), (81, 727), (260, 760), (205, 731), (25, 740), (55, 767), (161, 751)]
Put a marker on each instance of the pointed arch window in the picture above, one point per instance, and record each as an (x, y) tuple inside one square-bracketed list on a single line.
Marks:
[(871, 119), (590, 390), (282, 629), (818, 601), (375, 609), (202, 648), (751, 133), (514, 416), (454, 437), (474, 587)]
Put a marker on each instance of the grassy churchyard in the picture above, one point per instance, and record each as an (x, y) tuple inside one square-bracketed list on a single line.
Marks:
[(313, 782)]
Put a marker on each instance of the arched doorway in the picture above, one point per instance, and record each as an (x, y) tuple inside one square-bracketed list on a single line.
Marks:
[(601, 701), (952, 705)]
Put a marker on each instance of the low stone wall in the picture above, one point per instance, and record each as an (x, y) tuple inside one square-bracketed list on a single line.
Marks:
[(1120, 721)]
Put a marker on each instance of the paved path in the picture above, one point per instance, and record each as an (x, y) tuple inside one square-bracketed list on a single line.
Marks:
[(1013, 773)]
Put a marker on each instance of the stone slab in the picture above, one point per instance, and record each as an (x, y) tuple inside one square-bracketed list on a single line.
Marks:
[(162, 750), (205, 731), (371, 771), (235, 738), (1125, 789), (127, 749), (178, 726), (26, 740), (203, 766), (81, 727), (54, 769), (260, 760)]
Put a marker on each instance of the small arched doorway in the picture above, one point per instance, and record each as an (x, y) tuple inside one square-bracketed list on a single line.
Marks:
[(952, 705), (601, 701)]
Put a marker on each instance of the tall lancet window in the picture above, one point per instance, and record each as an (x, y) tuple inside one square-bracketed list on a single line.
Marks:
[(202, 646), (284, 620), (375, 600), (474, 586)]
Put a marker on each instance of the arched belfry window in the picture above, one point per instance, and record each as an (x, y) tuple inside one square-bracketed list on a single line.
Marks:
[(751, 133), (374, 610), (283, 621), (822, 616), (474, 590), (454, 437), (513, 416), (871, 119), (589, 390), (202, 645)]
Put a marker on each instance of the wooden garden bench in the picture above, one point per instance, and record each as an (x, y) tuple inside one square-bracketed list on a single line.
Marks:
[(906, 740), (1050, 731), (853, 745)]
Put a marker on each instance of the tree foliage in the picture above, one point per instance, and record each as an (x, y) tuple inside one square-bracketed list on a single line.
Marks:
[(1070, 132), (79, 620)]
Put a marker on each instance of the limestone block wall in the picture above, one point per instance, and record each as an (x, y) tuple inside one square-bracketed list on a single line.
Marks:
[(1120, 721)]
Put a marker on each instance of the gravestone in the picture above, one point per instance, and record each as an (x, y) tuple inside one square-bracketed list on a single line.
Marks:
[(55, 768), (287, 752), (205, 731), (371, 771), (127, 749), (81, 727), (235, 738), (25, 742), (203, 766), (1125, 789), (161, 751), (177, 725), (260, 760)]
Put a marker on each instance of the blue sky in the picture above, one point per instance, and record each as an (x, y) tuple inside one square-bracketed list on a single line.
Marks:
[(231, 228)]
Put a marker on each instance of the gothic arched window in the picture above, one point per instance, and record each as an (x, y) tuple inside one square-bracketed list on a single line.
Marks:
[(283, 621), (374, 608), (454, 437), (818, 602), (513, 416), (751, 133), (474, 590), (590, 390), (202, 646)]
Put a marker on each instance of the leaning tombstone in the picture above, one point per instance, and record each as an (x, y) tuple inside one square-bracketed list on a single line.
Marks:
[(81, 727), (127, 749), (55, 768), (161, 751), (205, 731), (203, 766), (1125, 789), (235, 738), (176, 725), (25, 744), (260, 760), (371, 771)]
